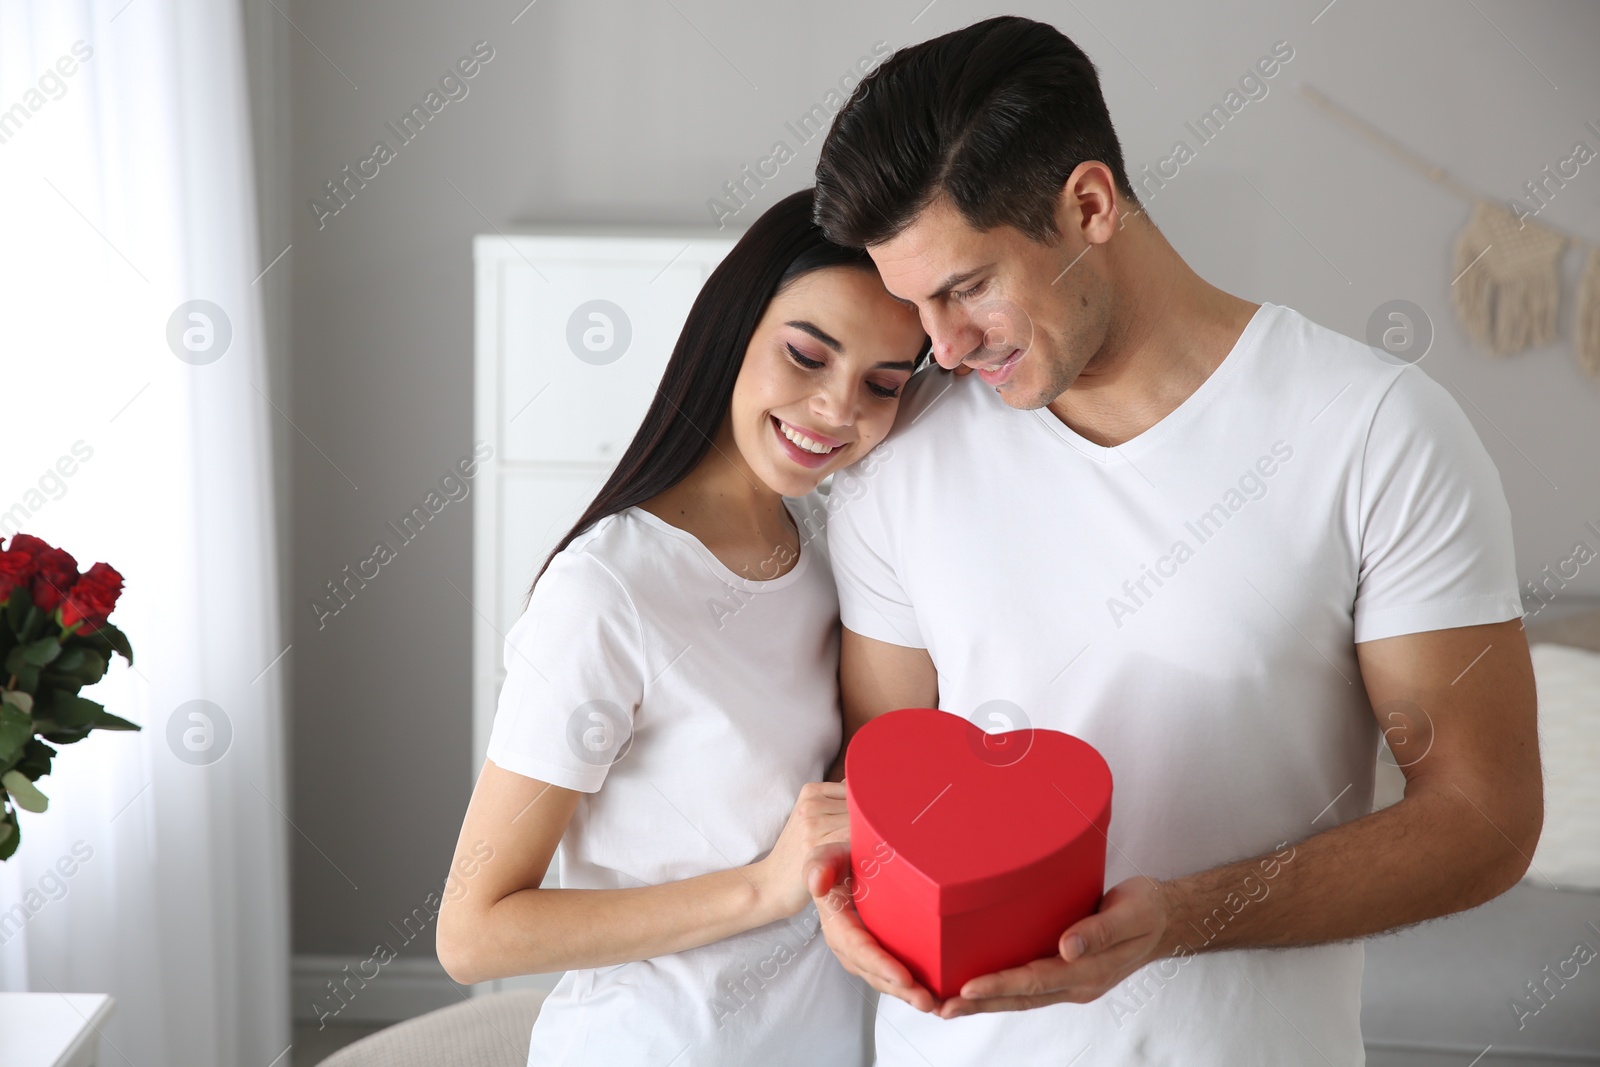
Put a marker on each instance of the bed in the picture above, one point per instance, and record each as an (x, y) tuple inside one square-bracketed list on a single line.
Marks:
[(1465, 986)]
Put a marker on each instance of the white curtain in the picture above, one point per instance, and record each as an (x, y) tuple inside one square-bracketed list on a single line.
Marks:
[(126, 191)]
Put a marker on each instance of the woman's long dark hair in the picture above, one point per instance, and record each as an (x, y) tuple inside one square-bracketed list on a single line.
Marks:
[(696, 389)]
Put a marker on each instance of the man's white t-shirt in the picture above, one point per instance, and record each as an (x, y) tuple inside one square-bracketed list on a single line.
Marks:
[(691, 705), (1189, 603)]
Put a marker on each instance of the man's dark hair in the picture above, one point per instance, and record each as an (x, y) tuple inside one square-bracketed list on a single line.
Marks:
[(996, 116)]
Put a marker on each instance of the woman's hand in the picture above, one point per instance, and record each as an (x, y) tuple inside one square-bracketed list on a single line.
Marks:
[(820, 817), (828, 880)]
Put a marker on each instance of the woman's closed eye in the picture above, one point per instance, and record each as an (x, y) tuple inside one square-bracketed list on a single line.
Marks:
[(801, 358), (883, 392)]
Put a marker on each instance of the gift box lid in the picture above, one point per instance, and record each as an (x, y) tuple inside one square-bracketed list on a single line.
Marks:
[(978, 817)]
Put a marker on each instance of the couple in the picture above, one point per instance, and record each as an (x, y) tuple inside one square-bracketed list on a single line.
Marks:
[(1224, 545)]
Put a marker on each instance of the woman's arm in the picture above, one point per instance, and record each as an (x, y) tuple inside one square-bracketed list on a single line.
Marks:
[(496, 922)]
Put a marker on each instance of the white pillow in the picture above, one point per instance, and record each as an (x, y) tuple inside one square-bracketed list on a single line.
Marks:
[(1568, 680)]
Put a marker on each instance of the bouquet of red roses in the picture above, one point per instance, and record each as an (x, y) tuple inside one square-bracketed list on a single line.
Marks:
[(54, 640)]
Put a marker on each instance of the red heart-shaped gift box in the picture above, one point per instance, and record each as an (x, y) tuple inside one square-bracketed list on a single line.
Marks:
[(972, 852)]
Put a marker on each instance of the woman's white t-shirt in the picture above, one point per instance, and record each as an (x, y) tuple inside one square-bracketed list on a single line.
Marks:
[(691, 705)]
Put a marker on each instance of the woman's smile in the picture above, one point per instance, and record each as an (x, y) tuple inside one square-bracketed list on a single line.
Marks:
[(806, 447)]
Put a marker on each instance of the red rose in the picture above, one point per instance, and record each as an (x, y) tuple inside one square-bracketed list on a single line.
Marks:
[(91, 598), (19, 562), (15, 570), (56, 574), (29, 545)]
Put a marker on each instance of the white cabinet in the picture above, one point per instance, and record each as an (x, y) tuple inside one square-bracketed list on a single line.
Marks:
[(563, 348), (573, 332)]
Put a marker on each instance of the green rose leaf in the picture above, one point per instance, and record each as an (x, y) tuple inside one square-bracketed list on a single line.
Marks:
[(17, 607), (35, 761), (69, 710), (23, 792), (33, 654), (16, 727), (40, 652), (32, 623), (10, 835), (106, 639), (27, 678), (74, 669), (17, 699), (107, 721)]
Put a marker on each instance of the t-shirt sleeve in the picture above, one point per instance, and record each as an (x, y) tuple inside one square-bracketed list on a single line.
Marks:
[(574, 677), (872, 600), (1436, 548)]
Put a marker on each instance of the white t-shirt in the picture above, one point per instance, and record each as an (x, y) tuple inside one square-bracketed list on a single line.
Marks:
[(718, 699), (1307, 496)]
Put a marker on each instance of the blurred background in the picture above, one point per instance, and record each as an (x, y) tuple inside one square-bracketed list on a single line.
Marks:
[(216, 152)]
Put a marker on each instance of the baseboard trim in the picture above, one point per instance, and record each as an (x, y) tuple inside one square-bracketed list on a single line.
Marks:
[(1518, 1054), (355, 989)]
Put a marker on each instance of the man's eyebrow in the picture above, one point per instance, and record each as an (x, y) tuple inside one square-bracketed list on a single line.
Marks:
[(817, 332)]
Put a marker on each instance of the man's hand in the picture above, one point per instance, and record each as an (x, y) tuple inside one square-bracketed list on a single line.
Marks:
[(827, 876), (1096, 954)]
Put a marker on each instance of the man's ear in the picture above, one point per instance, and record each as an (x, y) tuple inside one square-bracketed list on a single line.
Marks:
[(1089, 205)]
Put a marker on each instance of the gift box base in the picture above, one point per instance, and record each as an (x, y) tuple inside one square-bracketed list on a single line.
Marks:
[(944, 952)]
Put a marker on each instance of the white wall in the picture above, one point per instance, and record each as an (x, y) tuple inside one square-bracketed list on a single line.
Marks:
[(637, 112)]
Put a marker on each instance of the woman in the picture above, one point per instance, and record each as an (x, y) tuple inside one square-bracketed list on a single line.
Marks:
[(671, 699)]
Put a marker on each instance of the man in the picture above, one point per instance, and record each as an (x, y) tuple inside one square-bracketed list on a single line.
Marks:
[(1222, 544)]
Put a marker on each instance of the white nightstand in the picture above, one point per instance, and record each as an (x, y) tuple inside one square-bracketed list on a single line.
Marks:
[(52, 1029)]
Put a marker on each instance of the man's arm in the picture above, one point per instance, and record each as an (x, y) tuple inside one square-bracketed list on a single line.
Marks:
[(874, 677), (1458, 707)]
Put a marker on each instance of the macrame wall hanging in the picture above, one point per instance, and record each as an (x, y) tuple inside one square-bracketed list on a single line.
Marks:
[(1507, 286), (1589, 315)]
